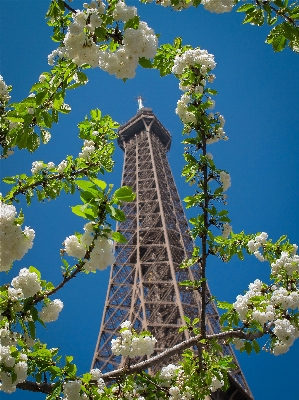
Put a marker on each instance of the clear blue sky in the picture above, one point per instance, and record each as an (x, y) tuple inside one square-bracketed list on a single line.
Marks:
[(258, 96)]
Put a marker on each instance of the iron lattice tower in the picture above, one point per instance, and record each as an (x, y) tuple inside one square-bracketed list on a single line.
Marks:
[(143, 286)]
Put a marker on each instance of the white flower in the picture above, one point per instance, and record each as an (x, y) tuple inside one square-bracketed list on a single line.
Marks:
[(4, 93), (126, 324), (225, 180), (259, 256), (216, 383), (218, 6), (96, 374), (37, 166), (226, 230), (51, 311), (73, 247), (62, 166), (28, 282), (14, 242), (101, 256)]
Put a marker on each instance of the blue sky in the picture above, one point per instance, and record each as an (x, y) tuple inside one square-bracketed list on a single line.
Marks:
[(258, 96)]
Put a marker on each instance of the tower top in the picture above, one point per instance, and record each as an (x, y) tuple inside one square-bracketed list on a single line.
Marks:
[(140, 104), (144, 121)]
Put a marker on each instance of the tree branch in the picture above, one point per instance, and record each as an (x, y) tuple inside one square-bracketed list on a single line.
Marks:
[(179, 348), (36, 387), (143, 365)]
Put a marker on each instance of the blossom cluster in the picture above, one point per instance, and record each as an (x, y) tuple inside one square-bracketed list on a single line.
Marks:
[(38, 166), (72, 391), (4, 92), (271, 311), (225, 180), (80, 45), (96, 375), (193, 57), (216, 6), (286, 262), (172, 377), (26, 283), (184, 66), (11, 365), (137, 43), (182, 63), (168, 373), (87, 149), (14, 242), (226, 230), (254, 245), (51, 310), (101, 255), (132, 345), (216, 383)]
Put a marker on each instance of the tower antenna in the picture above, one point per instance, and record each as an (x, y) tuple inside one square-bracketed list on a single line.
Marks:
[(140, 100)]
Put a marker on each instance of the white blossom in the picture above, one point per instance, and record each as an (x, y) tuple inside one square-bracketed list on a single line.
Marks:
[(218, 6), (191, 58), (62, 166), (4, 93), (37, 166), (226, 230), (28, 282), (131, 345), (51, 311), (14, 242), (225, 180), (73, 247)]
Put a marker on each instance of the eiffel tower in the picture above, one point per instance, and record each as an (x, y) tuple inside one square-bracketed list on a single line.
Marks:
[(144, 281)]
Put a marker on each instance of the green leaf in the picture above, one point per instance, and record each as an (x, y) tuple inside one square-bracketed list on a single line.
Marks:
[(248, 347), (246, 7), (33, 269), (33, 142), (115, 213), (279, 43), (79, 210), (101, 184), (132, 23), (58, 100), (100, 33), (9, 179), (41, 96), (124, 193), (69, 359), (145, 62), (225, 305), (256, 346), (118, 237), (47, 119), (83, 184), (34, 313), (31, 326)]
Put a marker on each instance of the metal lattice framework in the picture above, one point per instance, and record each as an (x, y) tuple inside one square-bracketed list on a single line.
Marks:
[(144, 282)]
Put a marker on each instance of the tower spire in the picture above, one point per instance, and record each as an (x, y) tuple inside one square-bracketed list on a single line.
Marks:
[(140, 103)]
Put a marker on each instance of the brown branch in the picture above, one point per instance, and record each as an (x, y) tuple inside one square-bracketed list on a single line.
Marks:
[(277, 12), (49, 178), (69, 8), (36, 387), (143, 365)]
